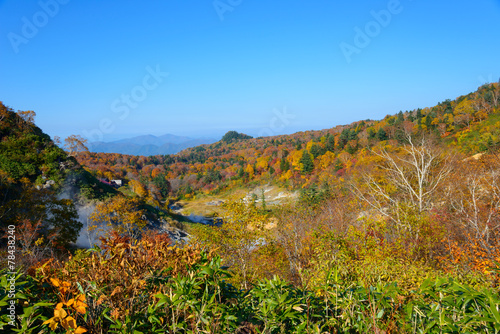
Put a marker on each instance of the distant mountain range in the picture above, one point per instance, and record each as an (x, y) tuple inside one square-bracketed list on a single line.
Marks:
[(149, 145)]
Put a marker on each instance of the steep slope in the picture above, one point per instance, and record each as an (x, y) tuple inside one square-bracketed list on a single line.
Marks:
[(33, 173)]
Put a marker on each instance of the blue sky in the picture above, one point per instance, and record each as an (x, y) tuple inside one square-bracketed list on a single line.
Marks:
[(99, 68)]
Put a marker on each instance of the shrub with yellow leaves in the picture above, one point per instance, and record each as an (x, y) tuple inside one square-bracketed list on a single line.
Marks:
[(66, 321), (74, 307)]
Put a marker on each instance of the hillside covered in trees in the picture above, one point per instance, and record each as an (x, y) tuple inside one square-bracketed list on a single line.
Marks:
[(311, 159), (396, 230), (39, 182)]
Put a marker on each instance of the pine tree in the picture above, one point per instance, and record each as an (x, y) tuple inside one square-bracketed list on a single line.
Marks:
[(316, 150), (419, 114), (350, 149), (400, 119), (241, 173), (344, 138), (330, 143), (428, 122), (371, 133), (307, 163), (381, 134)]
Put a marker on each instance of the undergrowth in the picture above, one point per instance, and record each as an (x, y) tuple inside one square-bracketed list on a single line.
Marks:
[(149, 286)]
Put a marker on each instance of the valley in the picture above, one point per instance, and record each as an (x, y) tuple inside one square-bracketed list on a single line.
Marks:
[(249, 167), (381, 215)]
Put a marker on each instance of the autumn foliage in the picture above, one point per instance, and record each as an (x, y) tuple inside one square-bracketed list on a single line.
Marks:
[(395, 228)]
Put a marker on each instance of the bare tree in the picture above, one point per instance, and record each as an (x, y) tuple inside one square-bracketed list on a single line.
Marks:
[(411, 176), (291, 233), (338, 214), (475, 199), (495, 92), (57, 140)]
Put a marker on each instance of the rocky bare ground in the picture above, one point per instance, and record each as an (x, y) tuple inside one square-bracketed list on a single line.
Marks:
[(177, 235), (272, 196)]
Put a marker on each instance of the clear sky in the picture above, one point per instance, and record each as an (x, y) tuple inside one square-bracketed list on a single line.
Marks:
[(110, 69)]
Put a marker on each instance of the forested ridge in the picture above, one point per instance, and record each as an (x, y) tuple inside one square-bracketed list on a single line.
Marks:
[(468, 124), (396, 229)]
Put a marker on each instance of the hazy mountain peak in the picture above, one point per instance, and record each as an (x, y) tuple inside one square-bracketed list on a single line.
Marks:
[(149, 144)]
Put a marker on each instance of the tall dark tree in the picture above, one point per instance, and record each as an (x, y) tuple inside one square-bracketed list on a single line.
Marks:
[(317, 150), (343, 138), (428, 122), (284, 165), (400, 119), (162, 184), (381, 134), (330, 143), (350, 149), (371, 133), (307, 163)]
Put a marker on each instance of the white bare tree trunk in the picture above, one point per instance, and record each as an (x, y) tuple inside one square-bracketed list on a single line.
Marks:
[(414, 174), (476, 201)]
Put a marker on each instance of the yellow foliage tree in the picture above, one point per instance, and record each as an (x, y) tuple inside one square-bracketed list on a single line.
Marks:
[(119, 214), (286, 176), (327, 160), (295, 157), (310, 143), (464, 111), (249, 169), (138, 188), (262, 163), (75, 144), (238, 238)]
